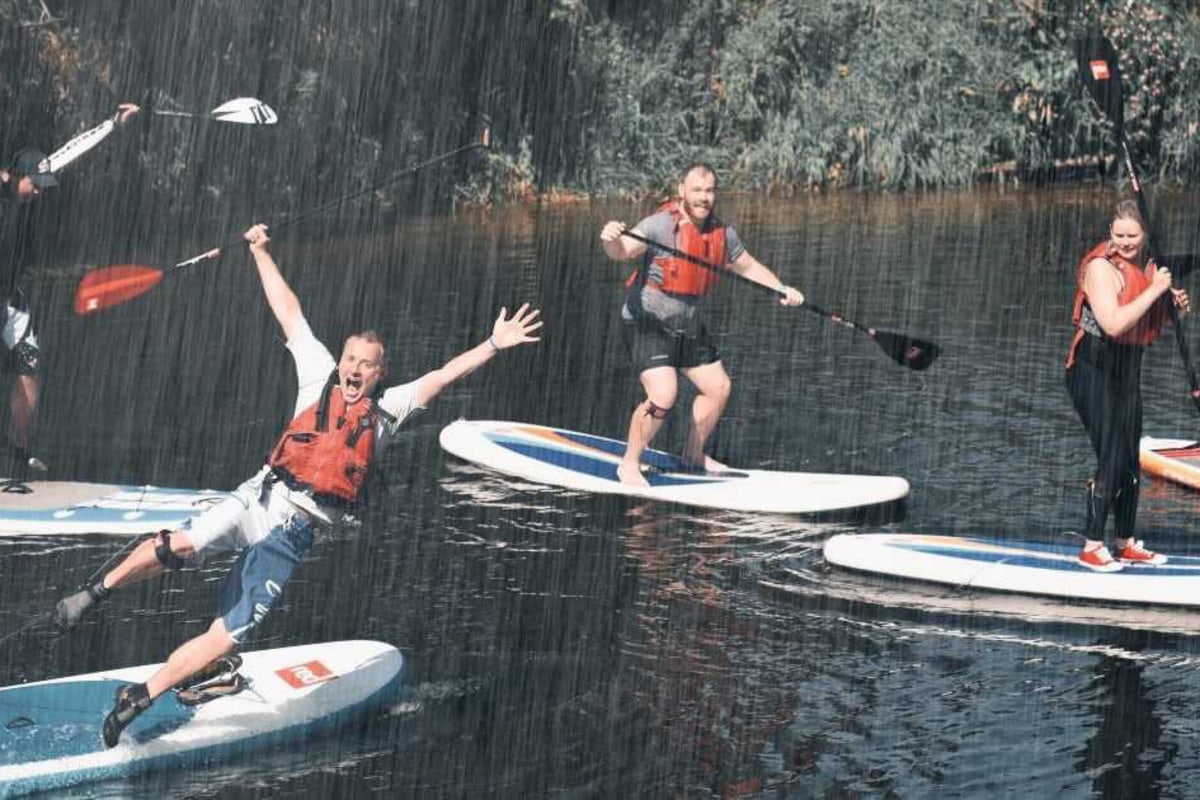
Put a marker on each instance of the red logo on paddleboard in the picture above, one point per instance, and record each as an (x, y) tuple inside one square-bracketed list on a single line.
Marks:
[(305, 674), (1100, 70)]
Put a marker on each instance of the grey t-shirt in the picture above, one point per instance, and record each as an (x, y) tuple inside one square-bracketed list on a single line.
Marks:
[(673, 313)]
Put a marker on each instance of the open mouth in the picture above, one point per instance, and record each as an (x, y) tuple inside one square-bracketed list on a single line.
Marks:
[(352, 382)]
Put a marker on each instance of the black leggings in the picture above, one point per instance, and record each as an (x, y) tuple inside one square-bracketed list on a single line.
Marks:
[(1105, 386)]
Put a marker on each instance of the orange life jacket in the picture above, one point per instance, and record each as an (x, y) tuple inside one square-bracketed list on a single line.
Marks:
[(1136, 280), (330, 461), (680, 276)]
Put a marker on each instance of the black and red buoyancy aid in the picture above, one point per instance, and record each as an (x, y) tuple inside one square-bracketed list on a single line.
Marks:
[(328, 448), (1136, 280), (680, 276)]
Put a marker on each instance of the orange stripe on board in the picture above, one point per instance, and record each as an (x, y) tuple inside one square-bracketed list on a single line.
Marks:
[(1160, 466)]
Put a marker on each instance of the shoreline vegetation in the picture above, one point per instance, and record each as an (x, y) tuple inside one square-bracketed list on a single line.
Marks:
[(595, 99)]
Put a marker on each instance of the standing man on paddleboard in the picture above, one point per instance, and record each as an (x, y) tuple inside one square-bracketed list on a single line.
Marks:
[(1120, 308), (660, 319), (28, 174), (343, 417)]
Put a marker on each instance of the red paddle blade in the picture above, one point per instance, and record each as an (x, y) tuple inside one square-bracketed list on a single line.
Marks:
[(109, 286)]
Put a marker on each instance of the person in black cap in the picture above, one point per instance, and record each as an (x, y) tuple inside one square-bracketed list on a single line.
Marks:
[(27, 175)]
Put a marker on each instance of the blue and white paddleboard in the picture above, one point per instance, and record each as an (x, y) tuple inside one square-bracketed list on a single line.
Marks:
[(1013, 566), (50, 732), (62, 507), (589, 463)]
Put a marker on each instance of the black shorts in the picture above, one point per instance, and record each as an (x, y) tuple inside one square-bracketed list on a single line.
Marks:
[(650, 346)]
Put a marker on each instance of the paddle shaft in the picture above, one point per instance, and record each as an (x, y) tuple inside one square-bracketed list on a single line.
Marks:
[(321, 209), (1107, 91), (1152, 249), (728, 273)]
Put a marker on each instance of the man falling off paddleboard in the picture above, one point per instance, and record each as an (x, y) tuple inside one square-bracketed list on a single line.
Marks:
[(660, 318), (1120, 308), (342, 418)]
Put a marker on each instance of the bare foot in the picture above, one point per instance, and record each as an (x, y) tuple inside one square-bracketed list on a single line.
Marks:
[(631, 475)]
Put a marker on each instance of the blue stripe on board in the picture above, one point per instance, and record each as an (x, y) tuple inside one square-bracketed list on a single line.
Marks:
[(589, 465), (655, 458), (1038, 555), (58, 720), (150, 491)]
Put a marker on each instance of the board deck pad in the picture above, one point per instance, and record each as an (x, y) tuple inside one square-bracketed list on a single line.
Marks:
[(1176, 460), (586, 462), (65, 507), (1015, 566), (50, 732)]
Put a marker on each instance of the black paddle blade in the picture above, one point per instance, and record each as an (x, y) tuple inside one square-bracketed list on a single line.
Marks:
[(1100, 70), (907, 351)]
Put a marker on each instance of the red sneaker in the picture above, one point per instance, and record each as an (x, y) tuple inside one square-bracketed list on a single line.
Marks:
[(1136, 553), (1099, 560)]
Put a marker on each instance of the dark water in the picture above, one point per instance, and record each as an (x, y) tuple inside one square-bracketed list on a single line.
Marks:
[(561, 645)]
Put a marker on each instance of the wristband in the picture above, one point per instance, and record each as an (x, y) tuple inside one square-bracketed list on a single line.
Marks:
[(492, 342)]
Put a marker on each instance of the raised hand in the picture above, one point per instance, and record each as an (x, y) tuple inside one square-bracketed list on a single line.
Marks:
[(510, 332), (125, 111), (257, 236)]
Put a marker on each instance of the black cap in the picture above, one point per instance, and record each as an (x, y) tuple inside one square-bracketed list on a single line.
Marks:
[(36, 164)]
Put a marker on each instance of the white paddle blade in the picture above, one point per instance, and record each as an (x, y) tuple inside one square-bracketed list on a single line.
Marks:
[(80, 145), (245, 110)]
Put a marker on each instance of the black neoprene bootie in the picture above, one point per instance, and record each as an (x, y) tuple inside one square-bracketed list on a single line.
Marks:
[(130, 702)]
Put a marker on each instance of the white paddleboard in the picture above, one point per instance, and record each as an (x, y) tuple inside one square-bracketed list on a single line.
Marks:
[(589, 463), (1014, 566), (63, 507), (50, 732)]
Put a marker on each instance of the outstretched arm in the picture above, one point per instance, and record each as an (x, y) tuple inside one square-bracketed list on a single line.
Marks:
[(90, 138), (506, 333), (748, 266), (280, 297)]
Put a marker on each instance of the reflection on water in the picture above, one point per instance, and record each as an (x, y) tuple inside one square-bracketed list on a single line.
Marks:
[(566, 644)]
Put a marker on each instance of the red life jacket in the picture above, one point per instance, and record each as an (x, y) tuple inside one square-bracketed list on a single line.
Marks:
[(680, 276), (330, 461), (1136, 280)]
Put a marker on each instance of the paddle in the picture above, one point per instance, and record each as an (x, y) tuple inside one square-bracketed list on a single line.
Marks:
[(109, 286), (242, 110), (1100, 70), (903, 349)]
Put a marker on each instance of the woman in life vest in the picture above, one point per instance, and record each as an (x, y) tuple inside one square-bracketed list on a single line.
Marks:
[(1120, 308)]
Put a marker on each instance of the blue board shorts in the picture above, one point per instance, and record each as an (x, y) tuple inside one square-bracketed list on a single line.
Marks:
[(258, 576), (273, 535)]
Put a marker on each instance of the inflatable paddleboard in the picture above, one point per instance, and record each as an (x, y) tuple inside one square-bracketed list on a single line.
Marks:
[(589, 463), (50, 732), (1013, 566), (1176, 460), (62, 507)]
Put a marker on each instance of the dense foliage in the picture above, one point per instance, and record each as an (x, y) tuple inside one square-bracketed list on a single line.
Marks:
[(603, 96)]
